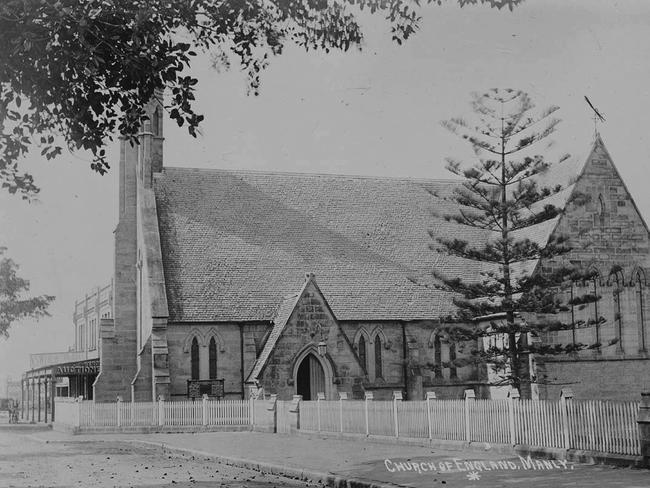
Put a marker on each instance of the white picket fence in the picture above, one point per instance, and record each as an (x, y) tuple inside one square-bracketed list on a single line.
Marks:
[(163, 413), (604, 426)]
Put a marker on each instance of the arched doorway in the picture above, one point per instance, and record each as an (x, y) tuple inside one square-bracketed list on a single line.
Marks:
[(310, 379)]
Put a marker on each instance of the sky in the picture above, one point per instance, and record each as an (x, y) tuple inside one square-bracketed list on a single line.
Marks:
[(374, 112)]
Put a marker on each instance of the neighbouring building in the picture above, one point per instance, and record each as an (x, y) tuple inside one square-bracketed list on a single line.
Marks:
[(88, 312), (12, 389), (70, 373), (300, 284)]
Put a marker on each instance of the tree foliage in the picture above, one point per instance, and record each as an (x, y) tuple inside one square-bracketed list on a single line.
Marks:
[(504, 195), (83, 69), (15, 305)]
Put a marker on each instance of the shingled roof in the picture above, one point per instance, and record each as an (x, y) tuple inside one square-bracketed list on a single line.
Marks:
[(235, 243), (280, 320)]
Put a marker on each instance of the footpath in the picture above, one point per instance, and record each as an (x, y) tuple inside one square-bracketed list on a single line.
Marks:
[(362, 463)]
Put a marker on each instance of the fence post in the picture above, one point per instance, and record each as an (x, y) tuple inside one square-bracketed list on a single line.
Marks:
[(118, 405), (294, 408), (161, 410), (251, 412), (319, 398), (643, 423), (397, 397), (273, 406), (77, 420), (565, 400), (431, 395), (369, 397), (204, 409), (513, 395), (470, 396), (343, 395)]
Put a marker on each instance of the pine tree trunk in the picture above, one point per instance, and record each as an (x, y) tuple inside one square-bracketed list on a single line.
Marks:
[(510, 316)]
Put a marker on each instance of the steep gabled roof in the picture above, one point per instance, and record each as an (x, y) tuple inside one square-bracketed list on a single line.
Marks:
[(599, 142), (285, 309), (235, 243)]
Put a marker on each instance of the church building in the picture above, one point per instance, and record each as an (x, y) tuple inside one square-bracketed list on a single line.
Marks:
[(231, 281)]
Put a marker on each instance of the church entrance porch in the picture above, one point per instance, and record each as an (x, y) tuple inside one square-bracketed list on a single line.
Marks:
[(310, 379)]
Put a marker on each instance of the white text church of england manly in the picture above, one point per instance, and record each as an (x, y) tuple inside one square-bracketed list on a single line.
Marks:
[(300, 284)]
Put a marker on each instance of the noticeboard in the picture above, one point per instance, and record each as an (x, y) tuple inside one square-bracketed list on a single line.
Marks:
[(198, 388)]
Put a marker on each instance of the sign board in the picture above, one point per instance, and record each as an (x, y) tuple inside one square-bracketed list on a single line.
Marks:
[(78, 369), (198, 388)]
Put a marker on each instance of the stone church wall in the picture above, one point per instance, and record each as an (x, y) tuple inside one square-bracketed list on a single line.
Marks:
[(621, 378), (390, 338), (118, 341), (227, 338), (607, 235), (431, 360), (142, 385)]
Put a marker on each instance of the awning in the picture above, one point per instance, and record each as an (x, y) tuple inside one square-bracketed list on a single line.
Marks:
[(74, 368)]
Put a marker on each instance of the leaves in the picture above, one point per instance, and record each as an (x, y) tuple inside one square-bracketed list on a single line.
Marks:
[(83, 69), (14, 304)]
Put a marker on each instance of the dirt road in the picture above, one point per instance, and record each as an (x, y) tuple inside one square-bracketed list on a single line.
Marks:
[(25, 462)]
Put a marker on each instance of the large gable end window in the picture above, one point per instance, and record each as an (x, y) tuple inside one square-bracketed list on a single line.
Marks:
[(595, 285), (639, 283), (616, 280)]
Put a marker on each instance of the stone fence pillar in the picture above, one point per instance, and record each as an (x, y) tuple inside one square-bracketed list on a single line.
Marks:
[(397, 399), (294, 413), (513, 396), (369, 398), (343, 396), (470, 397), (566, 397), (643, 421)]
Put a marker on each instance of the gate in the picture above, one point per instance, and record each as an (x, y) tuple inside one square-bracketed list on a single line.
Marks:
[(283, 419)]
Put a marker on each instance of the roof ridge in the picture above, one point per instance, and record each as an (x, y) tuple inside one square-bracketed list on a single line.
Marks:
[(316, 175)]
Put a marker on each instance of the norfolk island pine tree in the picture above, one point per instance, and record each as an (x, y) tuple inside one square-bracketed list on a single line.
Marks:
[(513, 297)]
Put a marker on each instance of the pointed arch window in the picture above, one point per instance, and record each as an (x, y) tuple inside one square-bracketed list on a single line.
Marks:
[(155, 123), (640, 288), (362, 352), (601, 211), (378, 365), (212, 354), (437, 355), (444, 356), (194, 359), (617, 281), (573, 313), (453, 372), (595, 282)]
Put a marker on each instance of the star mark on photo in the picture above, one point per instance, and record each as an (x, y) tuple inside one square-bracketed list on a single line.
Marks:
[(473, 476)]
